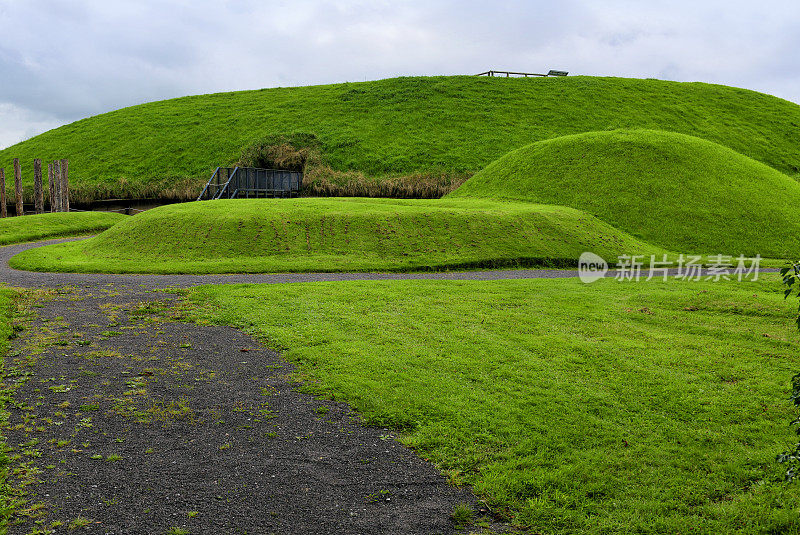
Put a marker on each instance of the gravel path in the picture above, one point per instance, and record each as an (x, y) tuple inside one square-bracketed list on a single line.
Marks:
[(25, 279), (126, 419), (129, 420)]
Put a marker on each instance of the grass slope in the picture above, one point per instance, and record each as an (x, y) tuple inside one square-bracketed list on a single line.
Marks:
[(679, 192), (609, 408), (336, 235), (55, 225), (399, 126)]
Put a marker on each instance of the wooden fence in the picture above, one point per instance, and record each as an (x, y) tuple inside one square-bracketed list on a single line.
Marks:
[(58, 182), (509, 74)]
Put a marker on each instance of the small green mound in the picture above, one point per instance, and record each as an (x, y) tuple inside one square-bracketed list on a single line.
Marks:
[(280, 235), (673, 190), (55, 225)]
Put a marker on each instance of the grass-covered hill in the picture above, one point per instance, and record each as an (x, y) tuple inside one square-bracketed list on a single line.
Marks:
[(437, 126), (337, 235), (676, 191)]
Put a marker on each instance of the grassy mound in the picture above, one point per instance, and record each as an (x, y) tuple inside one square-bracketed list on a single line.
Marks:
[(402, 126), (56, 225), (336, 235), (679, 192)]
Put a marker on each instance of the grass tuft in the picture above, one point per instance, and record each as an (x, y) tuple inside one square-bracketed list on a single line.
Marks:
[(462, 515), (78, 523)]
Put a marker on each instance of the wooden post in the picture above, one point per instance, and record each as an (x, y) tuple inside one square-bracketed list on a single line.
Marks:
[(65, 185), (3, 212), (57, 184), (38, 192), (18, 187), (51, 185)]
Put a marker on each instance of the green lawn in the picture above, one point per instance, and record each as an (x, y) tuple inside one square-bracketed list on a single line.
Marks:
[(400, 126), (55, 225), (6, 505), (5, 318), (672, 190), (274, 235), (604, 408)]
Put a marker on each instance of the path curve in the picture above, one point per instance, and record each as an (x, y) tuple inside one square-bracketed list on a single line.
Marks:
[(31, 279)]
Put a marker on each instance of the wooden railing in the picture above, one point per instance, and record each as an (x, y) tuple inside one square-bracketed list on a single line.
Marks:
[(251, 182), (508, 74)]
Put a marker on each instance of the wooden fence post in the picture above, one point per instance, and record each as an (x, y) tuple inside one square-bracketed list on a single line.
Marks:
[(18, 187), (51, 185), (65, 187), (38, 192), (3, 212), (57, 183)]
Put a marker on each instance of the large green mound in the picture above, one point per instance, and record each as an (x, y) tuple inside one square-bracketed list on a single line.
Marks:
[(272, 235), (398, 126), (673, 190), (55, 225)]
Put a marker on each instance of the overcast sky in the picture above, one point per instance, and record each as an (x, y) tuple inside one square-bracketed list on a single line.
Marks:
[(61, 60)]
